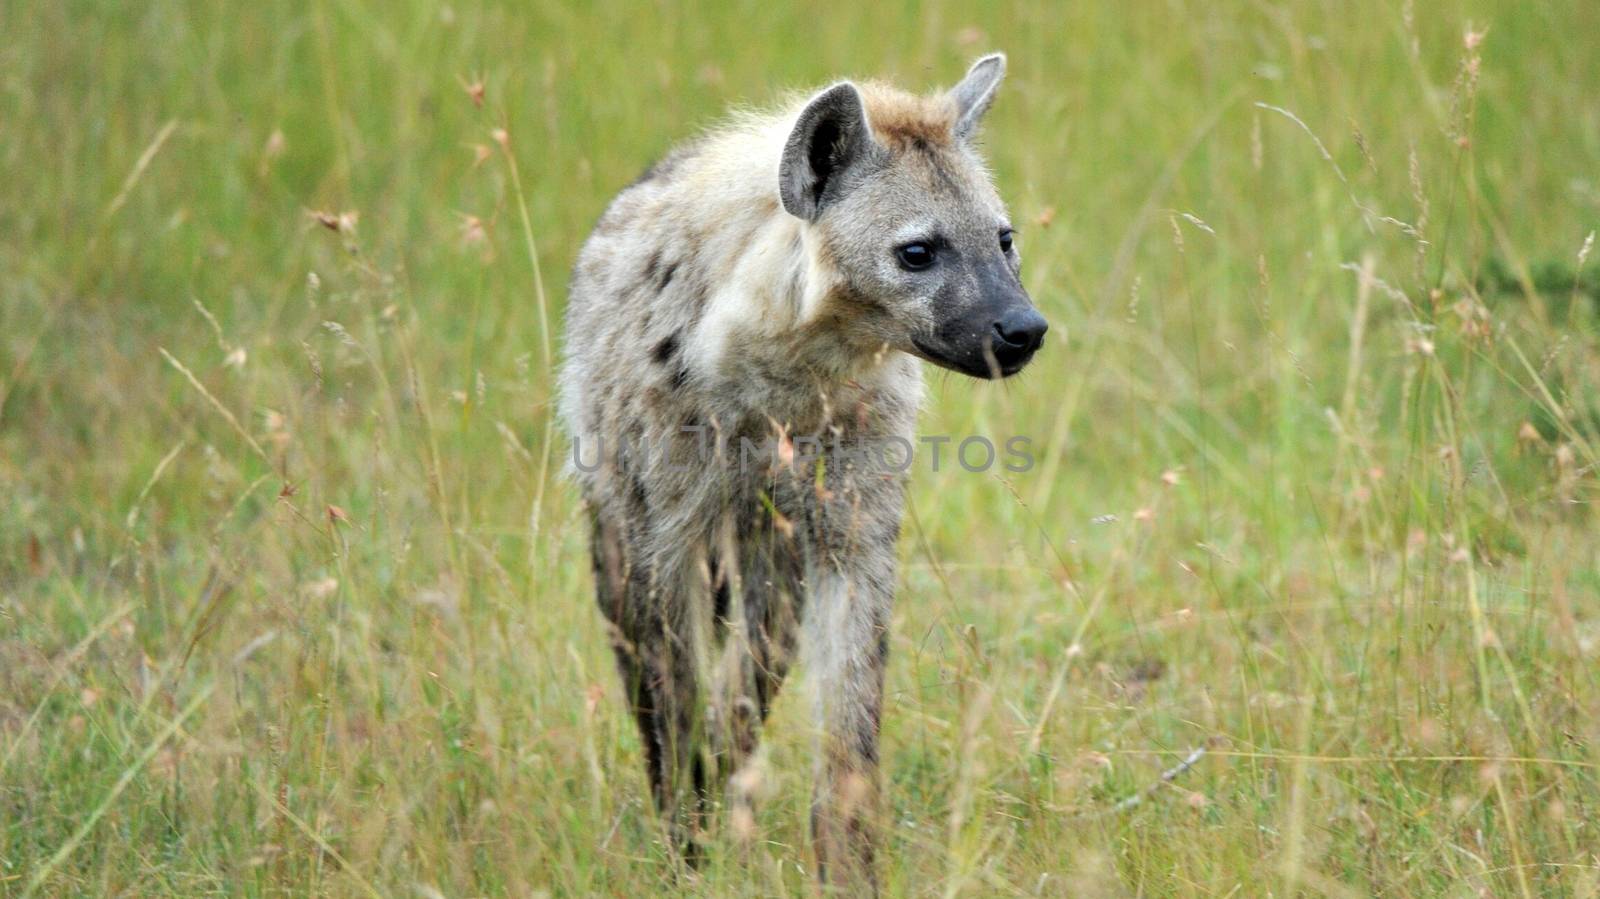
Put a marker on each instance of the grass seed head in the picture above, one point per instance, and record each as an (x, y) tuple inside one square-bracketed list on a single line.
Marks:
[(337, 222), (474, 89), (1528, 435)]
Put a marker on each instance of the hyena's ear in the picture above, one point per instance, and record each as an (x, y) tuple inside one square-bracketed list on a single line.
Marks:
[(830, 136), (976, 91)]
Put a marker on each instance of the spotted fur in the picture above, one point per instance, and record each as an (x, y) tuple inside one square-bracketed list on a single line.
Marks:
[(745, 291)]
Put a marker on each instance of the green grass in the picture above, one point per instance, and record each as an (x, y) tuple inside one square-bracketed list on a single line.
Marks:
[(291, 603)]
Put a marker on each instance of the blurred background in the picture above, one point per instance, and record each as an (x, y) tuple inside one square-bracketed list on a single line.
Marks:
[(293, 599)]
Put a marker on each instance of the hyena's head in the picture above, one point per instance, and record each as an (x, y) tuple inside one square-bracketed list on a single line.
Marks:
[(902, 212)]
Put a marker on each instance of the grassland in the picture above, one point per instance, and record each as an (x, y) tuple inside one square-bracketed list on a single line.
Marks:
[(293, 600)]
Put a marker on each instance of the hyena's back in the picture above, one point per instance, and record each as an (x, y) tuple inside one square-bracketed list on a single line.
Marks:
[(651, 286)]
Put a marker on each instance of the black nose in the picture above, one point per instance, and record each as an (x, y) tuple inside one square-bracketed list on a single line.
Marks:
[(1019, 332)]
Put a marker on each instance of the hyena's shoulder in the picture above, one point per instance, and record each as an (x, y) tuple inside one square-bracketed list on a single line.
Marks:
[(636, 294)]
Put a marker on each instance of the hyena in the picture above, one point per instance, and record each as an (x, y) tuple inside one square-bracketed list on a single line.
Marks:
[(776, 283)]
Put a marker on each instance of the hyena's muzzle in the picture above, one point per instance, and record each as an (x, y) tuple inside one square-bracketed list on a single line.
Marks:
[(994, 333)]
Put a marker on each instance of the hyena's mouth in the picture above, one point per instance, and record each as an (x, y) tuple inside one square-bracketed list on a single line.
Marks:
[(987, 363)]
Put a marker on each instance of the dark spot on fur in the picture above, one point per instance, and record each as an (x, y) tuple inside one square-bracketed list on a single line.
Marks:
[(721, 598), (763, 697), (698, 297), (636, 493), (666, 349), (658, 273), (679, 376), (867, 739), (720, 601)]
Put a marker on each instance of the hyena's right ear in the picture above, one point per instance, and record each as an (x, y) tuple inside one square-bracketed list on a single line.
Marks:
[(976, 91), (830, 136)]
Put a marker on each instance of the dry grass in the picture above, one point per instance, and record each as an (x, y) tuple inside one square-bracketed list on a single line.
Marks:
[(292, 601)]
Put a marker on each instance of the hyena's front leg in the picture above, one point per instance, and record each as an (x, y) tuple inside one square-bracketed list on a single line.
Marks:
[(655, 657), (846, 634), (659, 673), (762, 637)]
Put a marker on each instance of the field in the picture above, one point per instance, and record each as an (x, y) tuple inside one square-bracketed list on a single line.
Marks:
[(1301, 597)]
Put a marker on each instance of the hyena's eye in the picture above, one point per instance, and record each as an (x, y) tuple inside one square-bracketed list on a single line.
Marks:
[(1006, 236), (914, 257)]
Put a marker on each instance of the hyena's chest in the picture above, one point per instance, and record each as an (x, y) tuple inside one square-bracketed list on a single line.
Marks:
[(755, 468)]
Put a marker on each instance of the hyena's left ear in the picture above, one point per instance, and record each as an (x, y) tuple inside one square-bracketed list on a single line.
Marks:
[(976, 91), (829, 137)]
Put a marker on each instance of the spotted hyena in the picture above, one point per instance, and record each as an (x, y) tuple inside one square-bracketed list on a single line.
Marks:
[(745, 317)]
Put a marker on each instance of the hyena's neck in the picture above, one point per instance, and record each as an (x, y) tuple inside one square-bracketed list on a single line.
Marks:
[(773, 314), (776, 330)]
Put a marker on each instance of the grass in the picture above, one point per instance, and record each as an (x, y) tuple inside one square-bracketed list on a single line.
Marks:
[(292, 599)]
